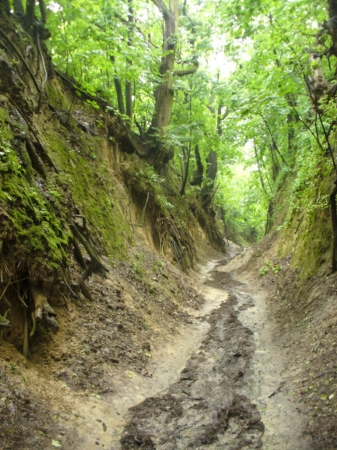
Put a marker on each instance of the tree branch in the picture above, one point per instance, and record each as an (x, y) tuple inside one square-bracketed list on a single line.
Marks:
[(187, 71)]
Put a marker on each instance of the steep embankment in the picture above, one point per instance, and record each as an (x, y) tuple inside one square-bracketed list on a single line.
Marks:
[(81, 297), (304, 308)]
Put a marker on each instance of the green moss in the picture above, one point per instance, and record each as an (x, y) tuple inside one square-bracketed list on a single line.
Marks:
[(307, 234), (91, 189), (35, 225)]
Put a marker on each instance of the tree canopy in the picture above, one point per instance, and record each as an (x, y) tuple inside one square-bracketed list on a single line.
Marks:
[(251, 83)]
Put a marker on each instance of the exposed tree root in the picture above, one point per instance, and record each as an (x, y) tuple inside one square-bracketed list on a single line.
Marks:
[(180, 241), (4, 323), (95, 262), (42, 310), (334, 227), (22, 59), (25, 350), (91, 252), (88, 271), (67, 284), (37, 162)]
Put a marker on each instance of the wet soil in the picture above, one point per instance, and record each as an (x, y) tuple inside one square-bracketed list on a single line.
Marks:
[(231, 393), (205, 407), (215, 376)]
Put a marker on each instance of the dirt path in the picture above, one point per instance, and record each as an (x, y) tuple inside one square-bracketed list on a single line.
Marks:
[(202, 387), (270, 387), (101, 421)]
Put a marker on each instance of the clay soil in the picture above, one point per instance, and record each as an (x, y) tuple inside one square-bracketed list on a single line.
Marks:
[(162, 360)]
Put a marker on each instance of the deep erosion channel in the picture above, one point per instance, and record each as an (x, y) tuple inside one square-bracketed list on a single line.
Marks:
[(217, 386)]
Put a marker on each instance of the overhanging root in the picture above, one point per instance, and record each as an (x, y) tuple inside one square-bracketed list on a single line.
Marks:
[(42, 310)]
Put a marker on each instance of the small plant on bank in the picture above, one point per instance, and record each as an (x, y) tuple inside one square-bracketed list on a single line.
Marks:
[(269, 266)]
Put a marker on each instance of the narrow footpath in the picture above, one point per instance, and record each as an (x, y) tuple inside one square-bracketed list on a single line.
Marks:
[(220, 384)]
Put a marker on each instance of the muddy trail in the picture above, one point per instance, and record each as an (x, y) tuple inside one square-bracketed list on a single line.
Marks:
[(218, 385), (222, 379), (206, 407)]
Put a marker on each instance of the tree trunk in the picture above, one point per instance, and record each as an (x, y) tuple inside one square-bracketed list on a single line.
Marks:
[(212, 167), (30, 13), (331, 25), (334, 227), (43, 12), (274, 163), (199, 172), (119, 90), (186, 169), (128, 84), (270, 214), (163, 94), (259, 170), (18, 9)]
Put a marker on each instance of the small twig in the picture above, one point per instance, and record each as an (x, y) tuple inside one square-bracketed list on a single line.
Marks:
[(244, 426), (22, 301), (68, 286), (18, 281), (277, 390), (312, 301), (4, 291)]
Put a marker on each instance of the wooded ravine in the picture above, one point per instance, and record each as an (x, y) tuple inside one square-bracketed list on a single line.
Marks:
[(168, 224)]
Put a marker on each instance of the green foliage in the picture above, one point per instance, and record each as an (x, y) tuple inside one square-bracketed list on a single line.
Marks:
[(248, 101), (243, 204), (269, 266)]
